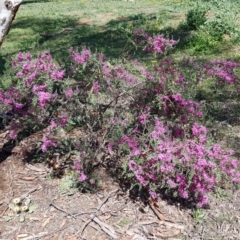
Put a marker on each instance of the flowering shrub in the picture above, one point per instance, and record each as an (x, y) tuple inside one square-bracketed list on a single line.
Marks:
[(33, 96), (140, 114), (157, 44), (223, 71), (187, 167)]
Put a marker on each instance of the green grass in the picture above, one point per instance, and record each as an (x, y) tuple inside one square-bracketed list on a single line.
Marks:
[(94, 23), (104, 25)]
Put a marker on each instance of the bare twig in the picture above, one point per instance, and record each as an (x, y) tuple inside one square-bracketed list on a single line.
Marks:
[(96, 212), (83, 213), (156, 209), (61, 210), (105, 227), (91, 224), (74, 215)]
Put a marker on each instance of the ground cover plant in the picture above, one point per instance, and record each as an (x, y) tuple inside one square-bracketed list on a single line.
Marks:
[(146, 112)]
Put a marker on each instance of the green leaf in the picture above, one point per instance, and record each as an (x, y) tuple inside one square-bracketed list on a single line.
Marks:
[(8, 218), (33, 208), (11, 206), (28, 201), (22, 218)]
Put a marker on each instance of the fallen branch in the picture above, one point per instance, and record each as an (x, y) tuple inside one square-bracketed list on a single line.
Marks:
[(93, 216), (74, 215), (105, 227), (61, 210), (156, 209)]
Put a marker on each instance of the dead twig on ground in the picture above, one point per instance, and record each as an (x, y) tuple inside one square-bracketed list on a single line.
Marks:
[(83, 213), (95, 215), (105, 227), (156, 209), (61, 210), (74, 215)]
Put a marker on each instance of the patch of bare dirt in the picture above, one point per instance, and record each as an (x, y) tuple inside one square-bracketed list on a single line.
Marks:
[(98, 19)]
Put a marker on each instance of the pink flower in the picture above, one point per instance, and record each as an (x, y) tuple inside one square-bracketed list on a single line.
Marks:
[(63, 120), (19, 75), (171, 183), (69, 93), (20, 57), (13, 134), (178, 132), (143, 118), (77, 165), (183, 119), (202, 200), (18, 105), (132, 165), (96, 87), (28, 56), (53, 124), (82, 177), (198, 130), (159, 129), (91, 181), (135, 152), (86, 54), (57, 75), (101, 58), (7, 101), (44, 98), (132, 143), (37, 88), (81, 58), (153, 194), (47, 143)]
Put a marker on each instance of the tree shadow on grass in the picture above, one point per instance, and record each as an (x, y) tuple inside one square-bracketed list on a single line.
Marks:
[(34, 1), (2, 65), (114, 39)]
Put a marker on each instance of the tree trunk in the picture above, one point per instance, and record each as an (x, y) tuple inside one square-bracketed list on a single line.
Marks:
[(8, 10)]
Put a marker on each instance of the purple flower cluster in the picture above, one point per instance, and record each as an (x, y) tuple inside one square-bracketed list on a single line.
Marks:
[(46, 142), (175, 105), (157, 44), (80, 58), (224, 71), (79, 170), (187, 167)]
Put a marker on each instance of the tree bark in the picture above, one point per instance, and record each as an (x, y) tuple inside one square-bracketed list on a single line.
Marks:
[(8, 10)]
